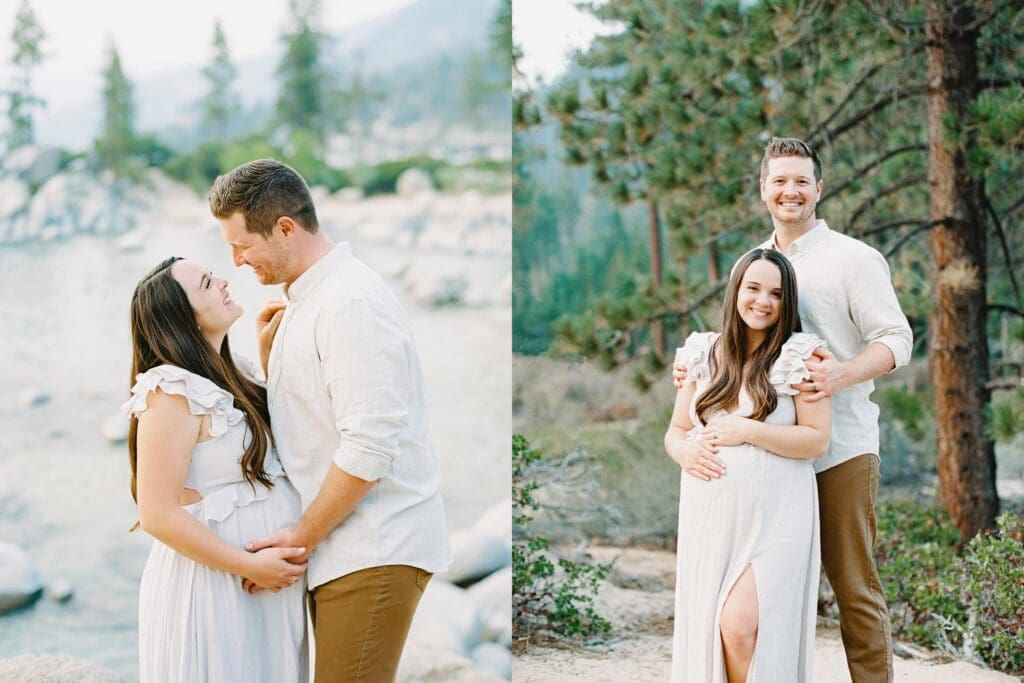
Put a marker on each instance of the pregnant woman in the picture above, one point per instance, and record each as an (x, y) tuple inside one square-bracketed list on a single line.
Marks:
[(207, 480), (747, 566)]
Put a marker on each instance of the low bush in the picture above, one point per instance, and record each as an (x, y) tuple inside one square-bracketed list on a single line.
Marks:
[(970, 603), (550, 595)]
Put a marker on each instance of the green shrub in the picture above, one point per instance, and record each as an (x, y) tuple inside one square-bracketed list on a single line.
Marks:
[(971, 604), (916, 557), (993, 587), (554, 597)]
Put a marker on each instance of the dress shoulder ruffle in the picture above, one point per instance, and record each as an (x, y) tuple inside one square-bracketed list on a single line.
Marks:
[(695, 355), (204, 397), (790, 367)]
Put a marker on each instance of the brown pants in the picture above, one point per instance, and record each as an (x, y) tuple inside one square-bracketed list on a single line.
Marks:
[(846, 501), (360, 622)]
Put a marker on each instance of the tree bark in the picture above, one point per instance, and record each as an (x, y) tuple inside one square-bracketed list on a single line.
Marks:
[(654, 255), (958, 351)]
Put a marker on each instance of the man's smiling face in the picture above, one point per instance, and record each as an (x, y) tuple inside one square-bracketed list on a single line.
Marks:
[(265, 255), (790, 191)]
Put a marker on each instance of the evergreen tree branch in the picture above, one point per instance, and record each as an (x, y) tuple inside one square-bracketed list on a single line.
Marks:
[(885, 191), (1006, 308), (1002, 242), (882, 227), (854, 88), (878, 161), (880, 103), (902, 241), (704, 299)]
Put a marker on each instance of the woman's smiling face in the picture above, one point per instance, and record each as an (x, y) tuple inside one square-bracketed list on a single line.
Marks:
[(211, 302), (759, 301)]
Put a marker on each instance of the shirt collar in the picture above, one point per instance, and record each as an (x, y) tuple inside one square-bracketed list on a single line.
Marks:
[(305, 283), (803, 243)]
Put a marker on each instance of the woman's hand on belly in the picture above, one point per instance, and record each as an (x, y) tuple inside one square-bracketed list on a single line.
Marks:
[(727, 430)]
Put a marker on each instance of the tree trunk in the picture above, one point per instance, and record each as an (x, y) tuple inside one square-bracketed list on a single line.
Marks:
[(654, 254), (958, 351)]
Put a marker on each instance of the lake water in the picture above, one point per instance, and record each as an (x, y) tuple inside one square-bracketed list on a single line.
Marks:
[(64, 490)]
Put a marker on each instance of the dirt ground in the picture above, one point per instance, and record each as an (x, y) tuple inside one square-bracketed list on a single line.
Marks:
[(638, 599)]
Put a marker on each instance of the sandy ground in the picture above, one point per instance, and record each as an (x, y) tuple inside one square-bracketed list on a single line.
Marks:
[(637, 598)]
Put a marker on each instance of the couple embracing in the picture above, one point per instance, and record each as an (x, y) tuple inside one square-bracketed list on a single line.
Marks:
[(321, 481), (778, 441)]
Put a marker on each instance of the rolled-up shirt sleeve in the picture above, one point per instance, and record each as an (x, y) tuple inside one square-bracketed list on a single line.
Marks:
[(875, 309), (364, 363)]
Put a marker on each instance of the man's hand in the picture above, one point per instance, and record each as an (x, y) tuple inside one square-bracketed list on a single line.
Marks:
[(282, 538), (727, 430), (828, 376), (267, 322), (679, 373), (697, 458)]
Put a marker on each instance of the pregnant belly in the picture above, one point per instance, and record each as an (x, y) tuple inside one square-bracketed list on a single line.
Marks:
[(750, 474)]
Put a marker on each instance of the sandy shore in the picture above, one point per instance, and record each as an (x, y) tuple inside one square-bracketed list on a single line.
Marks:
[(637, 598)]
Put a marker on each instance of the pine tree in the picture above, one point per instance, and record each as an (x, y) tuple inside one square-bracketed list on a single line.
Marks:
[(219, 105), (117, 142), (27, 37), (307, 86)]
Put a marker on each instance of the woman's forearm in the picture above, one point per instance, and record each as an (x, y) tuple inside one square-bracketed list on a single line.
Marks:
[(184, 533), (789, 441)]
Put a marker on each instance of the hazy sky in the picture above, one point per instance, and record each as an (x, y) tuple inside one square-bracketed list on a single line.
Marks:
[(548, 31), (154, 36)]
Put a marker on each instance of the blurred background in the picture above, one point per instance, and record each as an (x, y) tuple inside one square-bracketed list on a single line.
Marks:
[(117, 116), (639, 131)]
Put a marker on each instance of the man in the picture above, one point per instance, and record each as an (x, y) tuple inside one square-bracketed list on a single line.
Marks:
[(348, 410), (846, 298)]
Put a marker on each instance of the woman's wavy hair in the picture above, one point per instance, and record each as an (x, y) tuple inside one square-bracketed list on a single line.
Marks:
[(724, 390), (165, 332)]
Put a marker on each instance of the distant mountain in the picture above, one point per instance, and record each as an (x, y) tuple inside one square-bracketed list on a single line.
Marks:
[(413, 36)]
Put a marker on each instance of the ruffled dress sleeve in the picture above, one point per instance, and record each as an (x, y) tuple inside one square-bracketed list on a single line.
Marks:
[(695, 356), (790, 368), (204, 397)]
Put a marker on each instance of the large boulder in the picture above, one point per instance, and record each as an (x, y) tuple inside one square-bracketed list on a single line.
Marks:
[(412, 182), (475, 554), (494, 658), (19, 583), (422, 662), (447, 619), (493, 598), (44, 166), (54, 669), (14, 197)]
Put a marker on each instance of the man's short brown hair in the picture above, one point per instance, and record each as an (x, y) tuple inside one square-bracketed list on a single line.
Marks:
[(789, 147), (263, 191)]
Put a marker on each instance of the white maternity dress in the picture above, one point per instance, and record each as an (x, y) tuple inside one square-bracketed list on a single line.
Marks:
[(195, 622), (762, 513)]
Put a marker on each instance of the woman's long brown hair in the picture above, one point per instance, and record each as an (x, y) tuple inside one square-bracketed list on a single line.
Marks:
[(724, 391), (165, 332)]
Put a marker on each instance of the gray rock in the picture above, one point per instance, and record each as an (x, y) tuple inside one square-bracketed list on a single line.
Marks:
[(19, 583), (54, 669), (422, 662), (447, 618), (476, 554), (412, 182), (13, 196), (494, 658), (497, 521), (115, 429), (493, 598), (43, 167), (33, 398), (60, 590), (18, 160)]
